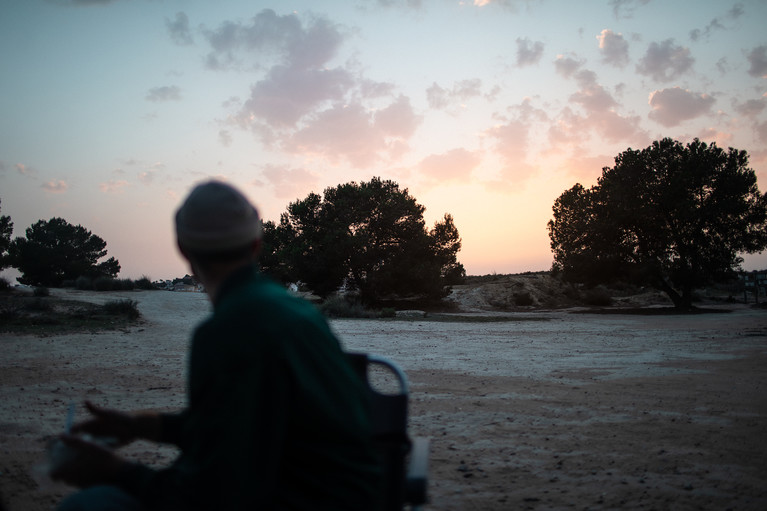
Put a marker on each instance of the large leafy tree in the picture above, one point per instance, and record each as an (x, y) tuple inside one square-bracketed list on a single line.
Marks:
[(55, 250), (672, 216), (6, 229), (370, 236)]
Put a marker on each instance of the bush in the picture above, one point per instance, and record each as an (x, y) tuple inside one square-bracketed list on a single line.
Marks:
[(38, 305), (523, 299), (388, 312), (41, 291), (144, 283), (339, 307), (4, 285), (598, 296), (127, 285), (84, 283), (105, 284), (127, 308), (69, 283)]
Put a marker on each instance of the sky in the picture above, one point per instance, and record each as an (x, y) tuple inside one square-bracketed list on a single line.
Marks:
[(112, 110)]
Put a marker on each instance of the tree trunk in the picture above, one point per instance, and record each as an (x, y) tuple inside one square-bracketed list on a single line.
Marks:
[(679, 300)]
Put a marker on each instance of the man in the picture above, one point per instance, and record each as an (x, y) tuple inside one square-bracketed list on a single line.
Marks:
[(276, 418)]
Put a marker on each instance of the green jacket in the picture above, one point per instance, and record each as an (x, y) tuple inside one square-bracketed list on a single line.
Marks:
[(276, 417)]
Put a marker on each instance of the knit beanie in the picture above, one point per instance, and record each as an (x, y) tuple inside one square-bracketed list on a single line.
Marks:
[(215, 218)]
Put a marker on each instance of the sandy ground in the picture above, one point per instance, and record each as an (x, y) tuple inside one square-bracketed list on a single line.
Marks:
[(552, 410)]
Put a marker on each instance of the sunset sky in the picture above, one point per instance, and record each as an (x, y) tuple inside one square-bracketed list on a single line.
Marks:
[(111, 110)]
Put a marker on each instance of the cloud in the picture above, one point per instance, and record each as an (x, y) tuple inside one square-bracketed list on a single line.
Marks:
[(113, 186), (528, 52), (283, 37), (614, 48), (670, 107), (167, 93), (55, 186), (289, 93), (752, 107), (225, 137), (440, 98), (356, 134), (567, 66), (592, 96), (761, 132), (626, 8), (512, 139), (454, 165), (665, 61), (178, 29), (81, 3), (289, 183), (717, 23), (24, 170), (758, 60)]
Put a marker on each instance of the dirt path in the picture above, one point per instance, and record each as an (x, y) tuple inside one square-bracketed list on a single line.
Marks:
[(550, 411)]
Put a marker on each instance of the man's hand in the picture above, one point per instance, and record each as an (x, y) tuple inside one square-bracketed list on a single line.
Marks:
[(83, 463), (124, 428)]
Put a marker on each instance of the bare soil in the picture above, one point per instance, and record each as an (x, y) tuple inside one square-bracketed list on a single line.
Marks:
[(540, 408)]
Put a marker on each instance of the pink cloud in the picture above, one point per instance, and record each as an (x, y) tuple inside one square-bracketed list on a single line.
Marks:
[(354, 133), (289, 183), (670, 107), (113, 186), (454, 165), (55, 186)]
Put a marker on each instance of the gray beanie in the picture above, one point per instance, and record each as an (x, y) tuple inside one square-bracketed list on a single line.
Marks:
[(215, 218)]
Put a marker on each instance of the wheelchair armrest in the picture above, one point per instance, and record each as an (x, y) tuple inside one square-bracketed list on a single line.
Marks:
[(417, 472)]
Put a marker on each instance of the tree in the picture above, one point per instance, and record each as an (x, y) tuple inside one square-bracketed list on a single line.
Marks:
[(6, 229), (55, 251), (672, 216), (369, 236)]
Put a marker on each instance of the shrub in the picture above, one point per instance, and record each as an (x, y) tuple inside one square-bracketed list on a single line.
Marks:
[(83, 283), (598, 296), (388, 312), (144, 283), (127, 308), (523, 299), (127, 285), (4, 285), (41, 291), (38, 305), (105, 284), (339, 307), (69, 283)]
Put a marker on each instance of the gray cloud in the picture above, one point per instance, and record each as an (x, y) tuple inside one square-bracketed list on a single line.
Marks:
[(165, 93), (751, 108), (671, 107), (439, 97), (567, 66), (757, 58), (178, 29), (528, 52), (718, 23), (614, 48), (665, 61), (626, 8)]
